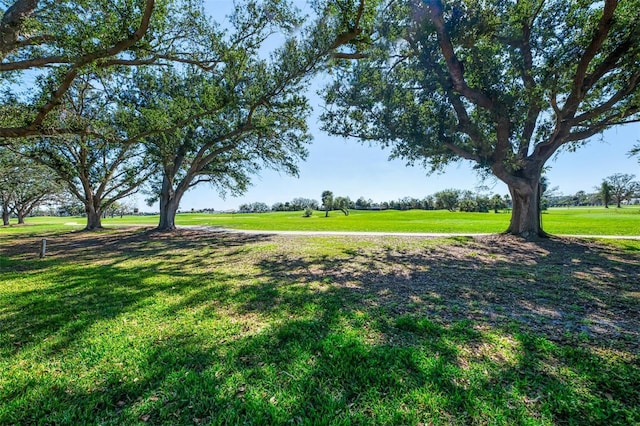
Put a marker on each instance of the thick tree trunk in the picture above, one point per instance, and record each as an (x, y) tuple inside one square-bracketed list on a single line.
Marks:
[(5, 217), (168, 212), (26, 210), (526, 220), (169, 204), (94, 217)]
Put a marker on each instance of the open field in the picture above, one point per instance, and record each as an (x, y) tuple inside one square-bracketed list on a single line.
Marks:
[(561, 221), (130, 326)]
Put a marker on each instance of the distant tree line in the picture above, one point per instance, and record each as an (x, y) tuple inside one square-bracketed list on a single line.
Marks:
[(257, 207), (450, 199), (296, 204), (616, 189)]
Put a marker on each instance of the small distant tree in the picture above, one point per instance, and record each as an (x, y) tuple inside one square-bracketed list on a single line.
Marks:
[(447, 199), (548, 193), (623, 187), (342, 204), (593, 198), (497, 203), (428, 203), (259, 207), (507, 200), (119, 208), (468, 205), (37, 184), (408, 203), (604, 190), (327, 202), (401, 204), (308, 212), (300, 203), (483, 203), (470, 202), (362, 204), (6, 197), (580, 198)]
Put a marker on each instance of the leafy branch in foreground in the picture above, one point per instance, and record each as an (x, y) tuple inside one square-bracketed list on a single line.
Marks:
[(56, 42)]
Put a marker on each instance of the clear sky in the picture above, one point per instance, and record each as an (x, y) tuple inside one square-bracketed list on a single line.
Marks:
[(349, 168)]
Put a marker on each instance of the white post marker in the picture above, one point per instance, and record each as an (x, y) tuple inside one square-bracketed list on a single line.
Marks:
[(43, 248)]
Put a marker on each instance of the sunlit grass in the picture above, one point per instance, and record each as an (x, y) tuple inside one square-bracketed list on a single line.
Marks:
[(562, 221)]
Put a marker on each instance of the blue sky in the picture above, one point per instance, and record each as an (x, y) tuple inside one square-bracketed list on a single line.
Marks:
[(349, 168)]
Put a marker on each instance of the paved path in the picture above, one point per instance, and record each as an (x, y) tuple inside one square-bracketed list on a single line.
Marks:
[(383, 234)]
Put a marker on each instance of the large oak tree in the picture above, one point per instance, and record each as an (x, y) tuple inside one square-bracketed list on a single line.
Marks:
[(504, 84), (244, 111), (97, 166), (203, 98), (243, 128), (622, 187), (24, 185)]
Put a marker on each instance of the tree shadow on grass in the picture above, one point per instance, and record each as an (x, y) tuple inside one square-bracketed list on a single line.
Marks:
[(557, 286), (94, 277), (452, 332)]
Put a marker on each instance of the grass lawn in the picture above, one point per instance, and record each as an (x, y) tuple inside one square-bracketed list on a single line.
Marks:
[(562, 221), (130, 326)]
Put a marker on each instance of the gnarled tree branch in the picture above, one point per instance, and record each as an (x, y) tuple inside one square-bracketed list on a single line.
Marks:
[(34, 127)]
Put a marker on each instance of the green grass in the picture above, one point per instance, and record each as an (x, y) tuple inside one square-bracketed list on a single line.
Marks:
[(566, 221), (132, 327), (44, 226), (593, 221), (391, 221)]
